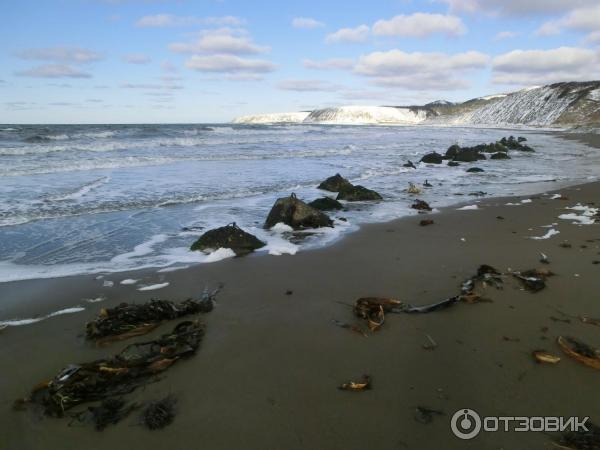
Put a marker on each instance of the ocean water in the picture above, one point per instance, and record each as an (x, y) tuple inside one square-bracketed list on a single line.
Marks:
[(108, 198)]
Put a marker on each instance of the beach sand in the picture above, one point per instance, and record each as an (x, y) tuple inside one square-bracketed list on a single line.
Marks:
[(267, 371)]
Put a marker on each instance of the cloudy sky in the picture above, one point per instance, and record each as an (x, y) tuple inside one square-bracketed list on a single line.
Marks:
[(132, 61)]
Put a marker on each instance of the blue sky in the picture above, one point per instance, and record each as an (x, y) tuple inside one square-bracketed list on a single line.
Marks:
[(134, 61)]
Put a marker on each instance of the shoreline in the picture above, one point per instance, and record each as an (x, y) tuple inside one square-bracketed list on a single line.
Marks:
[(27, 291), (266, 373)]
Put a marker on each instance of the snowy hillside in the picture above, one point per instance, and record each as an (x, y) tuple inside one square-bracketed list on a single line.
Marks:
[(540, 106), (560, 104), (367, 115), (290, 117)]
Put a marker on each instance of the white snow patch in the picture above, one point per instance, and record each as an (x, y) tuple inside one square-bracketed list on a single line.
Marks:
[(373, 115), (288, 117)]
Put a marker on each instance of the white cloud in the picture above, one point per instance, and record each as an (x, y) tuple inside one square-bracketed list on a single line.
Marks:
[(60, 54), (517, 7), (533, 67), (420, 71), (505, 35), (352, 35), (223, 40), (54, 71), (136, 58), (170, 20), (231, 64), (306, 23), (243, 77), (168, 67), (151, 86), (329, 64), (593, 37), (307, 86), (420, 25), (582, 19), (548, 29)]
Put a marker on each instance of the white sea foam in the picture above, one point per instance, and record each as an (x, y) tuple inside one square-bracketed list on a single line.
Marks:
[(551, 232), (587, 217), (468, 208), (219, 254), (29, 321), (128, 281), (154, 287)]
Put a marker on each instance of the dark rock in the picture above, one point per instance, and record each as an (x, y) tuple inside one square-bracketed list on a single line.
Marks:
[(326, 204), (500, 155), (230, 236), (432, 158), (491, 148), (468, 154), (357, 194), (421, 205), (453, 164), (515, 144), (297, 214), (409, 164), (475, 170), (521, 139), (334, 183), (426, 222), (452, 151)]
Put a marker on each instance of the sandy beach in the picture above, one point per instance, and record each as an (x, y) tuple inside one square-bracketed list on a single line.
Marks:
[(267, 371)]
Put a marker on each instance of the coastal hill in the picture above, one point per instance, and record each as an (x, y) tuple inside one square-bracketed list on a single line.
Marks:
[(556, 105)]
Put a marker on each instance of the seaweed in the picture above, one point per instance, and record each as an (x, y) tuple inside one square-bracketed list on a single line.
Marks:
[(126, 371), (158, 414), (128, 320)]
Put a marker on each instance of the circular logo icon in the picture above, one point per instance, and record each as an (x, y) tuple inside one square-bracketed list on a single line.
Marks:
[(465, 424)]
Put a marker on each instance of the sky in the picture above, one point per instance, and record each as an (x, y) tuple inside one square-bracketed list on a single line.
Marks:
[(185, 61)]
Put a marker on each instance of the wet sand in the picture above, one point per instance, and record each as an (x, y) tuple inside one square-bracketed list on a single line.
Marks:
[(266, 373)]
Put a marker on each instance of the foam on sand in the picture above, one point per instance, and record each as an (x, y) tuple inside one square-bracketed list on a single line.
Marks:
[(587, 216), (19, 322), (468, 208), (154, 287), (551, 232)]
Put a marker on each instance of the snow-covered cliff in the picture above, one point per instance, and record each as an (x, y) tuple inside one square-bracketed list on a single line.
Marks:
[(559, 104), (367, 115), (539, 106), (289, 117)]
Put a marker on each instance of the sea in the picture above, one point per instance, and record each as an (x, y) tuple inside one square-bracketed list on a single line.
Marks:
[(87, 199)]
